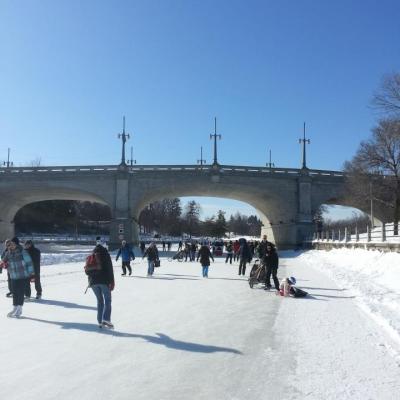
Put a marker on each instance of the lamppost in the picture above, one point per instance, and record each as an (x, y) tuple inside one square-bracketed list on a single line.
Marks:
[(8, 163), (201, 161), (123, 136), (131, 161), (304, 141), (215, 136), (270, 164)]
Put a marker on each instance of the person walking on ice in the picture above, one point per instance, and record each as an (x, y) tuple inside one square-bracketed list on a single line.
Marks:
[(204, 254), (20, 268), (152, 255), (34, 252), (127, 254), (101, 281)]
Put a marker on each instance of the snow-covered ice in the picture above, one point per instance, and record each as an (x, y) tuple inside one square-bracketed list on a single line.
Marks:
[(180, 336)]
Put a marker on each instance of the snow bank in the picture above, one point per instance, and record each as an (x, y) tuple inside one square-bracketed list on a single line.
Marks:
[(372, 276)]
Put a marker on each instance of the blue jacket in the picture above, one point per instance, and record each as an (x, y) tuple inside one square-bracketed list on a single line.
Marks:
[(20, 264), (126, 253)]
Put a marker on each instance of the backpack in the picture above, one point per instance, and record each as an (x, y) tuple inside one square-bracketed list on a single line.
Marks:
[(91, 264)]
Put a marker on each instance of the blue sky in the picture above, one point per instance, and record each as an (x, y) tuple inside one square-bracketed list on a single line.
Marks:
[(69, 71)]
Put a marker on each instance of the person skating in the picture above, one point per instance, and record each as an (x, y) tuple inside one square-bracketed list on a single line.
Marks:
[(20, 267), (271, 261), (152, 255), (262, 247), (127, 254), (244, 256), (101, 281), (229, 252), (204, 254), (34, 252)]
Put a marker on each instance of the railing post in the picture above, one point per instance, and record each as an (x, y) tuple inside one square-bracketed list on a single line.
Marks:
[(383, 232), (333, 235), (368, 233), (339, 235), (345, 234), (357, 235)]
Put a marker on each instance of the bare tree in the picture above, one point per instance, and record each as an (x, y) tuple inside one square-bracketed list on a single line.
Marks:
[(374, 172), (37, 162), (387, 98)]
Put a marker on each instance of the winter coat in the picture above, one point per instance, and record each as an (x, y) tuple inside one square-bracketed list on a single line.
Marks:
[(105, 275), (229, 248), (262, 248), (34, 252), (244, 252), (204, 254), (271, 259), (126, 253), (151, 253), (19, 262), (236, 247)]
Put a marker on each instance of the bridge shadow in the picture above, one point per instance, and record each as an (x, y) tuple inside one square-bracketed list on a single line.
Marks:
[(63, 304), (160, 338)]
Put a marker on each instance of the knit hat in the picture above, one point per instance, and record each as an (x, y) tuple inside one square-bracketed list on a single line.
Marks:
[(15, 240)]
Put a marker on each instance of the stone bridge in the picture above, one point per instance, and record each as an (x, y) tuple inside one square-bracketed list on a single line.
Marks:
[(286, 199)]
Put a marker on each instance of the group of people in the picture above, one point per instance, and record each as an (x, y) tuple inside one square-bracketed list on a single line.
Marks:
[(23, 266)]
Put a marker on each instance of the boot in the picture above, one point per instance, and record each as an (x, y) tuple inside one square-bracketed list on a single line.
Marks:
[(18, 313), (11, 314)]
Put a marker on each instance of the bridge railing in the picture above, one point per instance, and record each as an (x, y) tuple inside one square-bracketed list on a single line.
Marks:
[(142, 168), (385, 237)]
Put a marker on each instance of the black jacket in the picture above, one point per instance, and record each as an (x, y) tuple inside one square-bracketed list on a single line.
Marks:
[(204, 254), (151, 253), (271, 259), (105, 275), (262, 248), (34, 252)]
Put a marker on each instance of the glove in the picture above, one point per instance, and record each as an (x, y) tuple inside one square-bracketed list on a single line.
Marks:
[(32, 279), (111, 286)]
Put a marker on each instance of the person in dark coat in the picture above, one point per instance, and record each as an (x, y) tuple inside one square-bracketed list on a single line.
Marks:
[(102, 282), (152, 255), (244, 256), (34, 252), (271, 260), (127, 254), (204, 254), (262, 248)]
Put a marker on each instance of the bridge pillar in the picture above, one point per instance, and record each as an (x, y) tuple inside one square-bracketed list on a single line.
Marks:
[(7, 230), (304, 217), (122, 225)]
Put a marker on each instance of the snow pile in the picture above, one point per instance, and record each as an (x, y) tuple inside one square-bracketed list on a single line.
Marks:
[(372, 276)]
